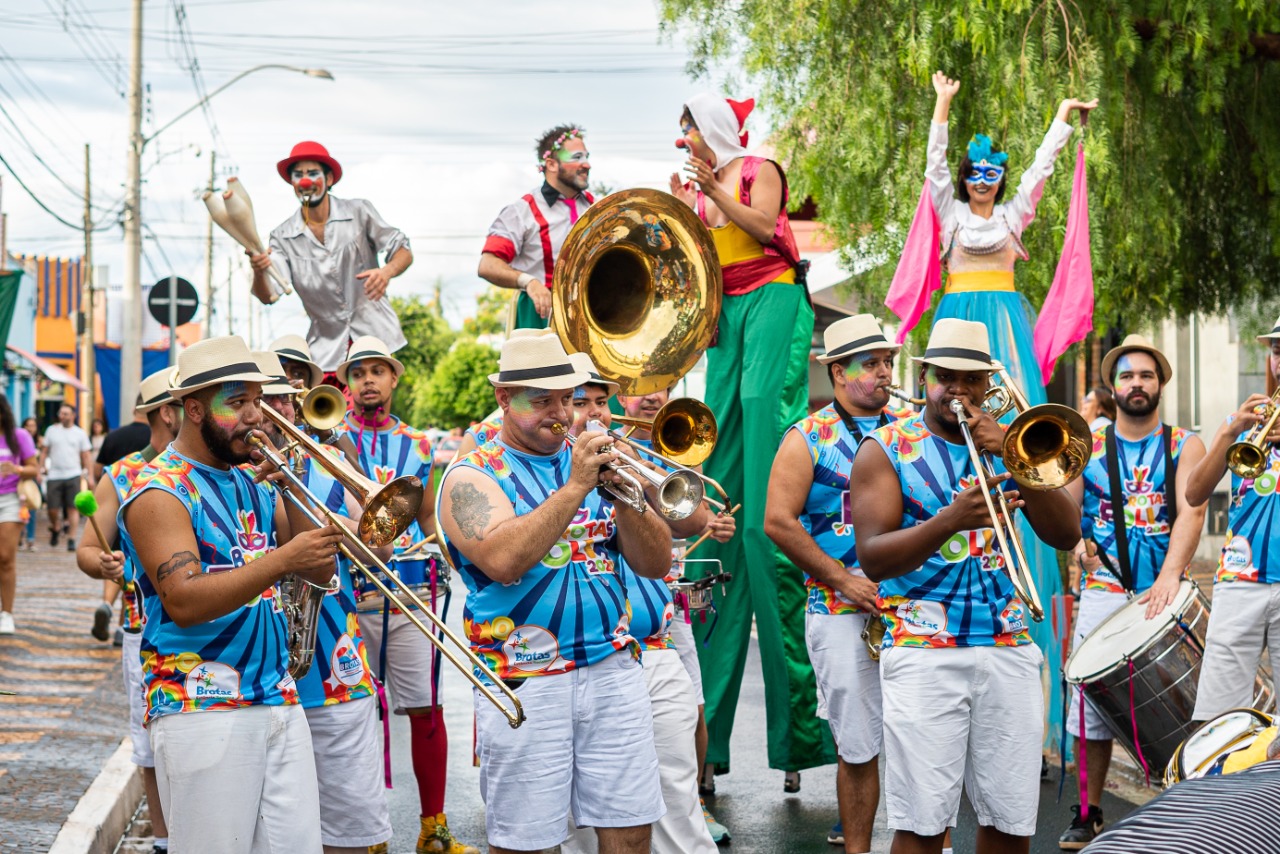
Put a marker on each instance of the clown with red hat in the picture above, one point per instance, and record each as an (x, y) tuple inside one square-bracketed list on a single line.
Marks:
[(340, 254)]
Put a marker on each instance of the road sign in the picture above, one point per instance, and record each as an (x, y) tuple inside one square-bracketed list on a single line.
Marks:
[(183, 307)]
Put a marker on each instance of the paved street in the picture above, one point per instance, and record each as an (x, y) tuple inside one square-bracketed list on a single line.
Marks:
[(70, 716)]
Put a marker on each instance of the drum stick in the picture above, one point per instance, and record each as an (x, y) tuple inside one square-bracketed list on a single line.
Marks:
[(87, 505), (703, 538)]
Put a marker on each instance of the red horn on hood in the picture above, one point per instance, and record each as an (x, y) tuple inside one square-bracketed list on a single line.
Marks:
[(742, 109)]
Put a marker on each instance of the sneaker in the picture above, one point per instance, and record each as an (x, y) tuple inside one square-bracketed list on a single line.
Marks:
[(1082, 831), (6, 623), (53, 537), (719, 833), (71, 544), (117, 639), (101, 621), (707, 783), (435, 838), (836, 836), (791, 782)]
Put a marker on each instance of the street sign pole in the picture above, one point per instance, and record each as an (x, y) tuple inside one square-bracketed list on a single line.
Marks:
[(173, 321)]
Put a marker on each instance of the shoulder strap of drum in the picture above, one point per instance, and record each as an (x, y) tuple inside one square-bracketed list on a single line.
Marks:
[(1170, 477), (1118, 517)]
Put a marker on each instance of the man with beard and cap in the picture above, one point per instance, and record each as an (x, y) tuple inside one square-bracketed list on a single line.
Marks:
[(337, 692), (757, 385), (329, 250), (1138, 472), (808, 518), (524, 241), (120, 570), (959, 674), (1246, 587), (401, 655), (539, 546), (234, 765)]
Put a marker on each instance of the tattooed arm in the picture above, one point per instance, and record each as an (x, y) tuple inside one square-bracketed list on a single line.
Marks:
[(161, 529), (481, 523)]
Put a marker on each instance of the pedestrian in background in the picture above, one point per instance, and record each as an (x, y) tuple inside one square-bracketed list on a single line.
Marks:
[(17, 460), (65, 459), (32, 427)]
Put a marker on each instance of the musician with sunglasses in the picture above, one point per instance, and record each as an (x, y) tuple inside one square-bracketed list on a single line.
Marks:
[(960, 677), (523, 243), (1246, 586)]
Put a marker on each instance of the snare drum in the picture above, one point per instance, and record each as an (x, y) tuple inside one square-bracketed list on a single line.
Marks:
[(1205, 752), (369, 598), (1140, 675)]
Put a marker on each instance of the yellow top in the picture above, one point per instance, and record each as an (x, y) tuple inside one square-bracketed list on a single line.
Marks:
[(734, 245)]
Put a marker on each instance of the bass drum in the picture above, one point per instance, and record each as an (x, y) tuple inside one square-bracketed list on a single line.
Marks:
[(1205, 752)]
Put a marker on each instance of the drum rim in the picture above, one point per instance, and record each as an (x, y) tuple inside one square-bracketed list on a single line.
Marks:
[(1196, 594), (1175, 761)]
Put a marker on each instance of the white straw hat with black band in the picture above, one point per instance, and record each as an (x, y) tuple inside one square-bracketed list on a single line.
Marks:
[(214, 361), (1273, 335), (153, 391), (537, 362), (849, 336), (295, 348), (368, 347), (1133, 343), (270, 365), (582, 362), (958, 345)]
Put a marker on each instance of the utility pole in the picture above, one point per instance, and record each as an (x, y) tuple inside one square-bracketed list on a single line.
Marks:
[(131, 343), (88, 362), (208, 254), (230, 295)]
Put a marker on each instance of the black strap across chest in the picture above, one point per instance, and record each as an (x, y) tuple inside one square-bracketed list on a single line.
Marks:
[(851, 424), (1118, 503)]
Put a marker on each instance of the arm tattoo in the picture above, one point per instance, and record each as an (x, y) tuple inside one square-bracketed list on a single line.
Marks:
[(175, 563), (471, 510)]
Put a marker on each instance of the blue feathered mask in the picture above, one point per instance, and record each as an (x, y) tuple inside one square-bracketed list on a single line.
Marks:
[(980, 153)]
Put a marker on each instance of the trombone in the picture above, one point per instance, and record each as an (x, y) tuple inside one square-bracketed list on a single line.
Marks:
[(683, 433), (1002, 522), (1045, 446), (679, 492), (388, 510), (1247, 458)]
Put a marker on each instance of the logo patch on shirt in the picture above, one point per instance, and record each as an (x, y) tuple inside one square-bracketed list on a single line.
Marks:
[(531, 648), (920, 617), (213, 680), (345, 664)]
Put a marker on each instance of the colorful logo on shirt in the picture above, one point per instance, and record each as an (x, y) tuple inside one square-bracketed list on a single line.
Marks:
[(980, 543), (578, 545), (249, 538), (344, 664), (213, 681), (1236, 563), (532, 648)]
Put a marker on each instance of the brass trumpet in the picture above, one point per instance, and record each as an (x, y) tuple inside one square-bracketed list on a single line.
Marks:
[(322, 407), (683, 433), (1248, 457), (388, 511)]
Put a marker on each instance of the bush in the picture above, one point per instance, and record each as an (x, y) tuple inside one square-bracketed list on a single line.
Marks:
[(458, 392)]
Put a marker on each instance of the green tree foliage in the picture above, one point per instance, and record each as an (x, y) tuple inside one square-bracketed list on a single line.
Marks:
[(492, 307), (429, 338), (459, 392), (1183, 153)]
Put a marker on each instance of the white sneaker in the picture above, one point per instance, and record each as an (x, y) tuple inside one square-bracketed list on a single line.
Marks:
[(6, 623)]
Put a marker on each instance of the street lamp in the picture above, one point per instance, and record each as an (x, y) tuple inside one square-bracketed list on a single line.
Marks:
[(131, 346)]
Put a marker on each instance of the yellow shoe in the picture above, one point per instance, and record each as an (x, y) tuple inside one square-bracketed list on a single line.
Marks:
[(435, 838)]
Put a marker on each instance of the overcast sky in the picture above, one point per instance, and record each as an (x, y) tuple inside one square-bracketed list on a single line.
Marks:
[(432, 114)]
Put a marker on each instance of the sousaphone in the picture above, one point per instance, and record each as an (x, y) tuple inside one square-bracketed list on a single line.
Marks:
[(638, 288)]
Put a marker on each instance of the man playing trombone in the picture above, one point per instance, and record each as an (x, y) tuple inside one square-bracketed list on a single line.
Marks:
[(232, 749), (1138, 473), (960, 676), (1246, 609), (538, 547), (807, 518)]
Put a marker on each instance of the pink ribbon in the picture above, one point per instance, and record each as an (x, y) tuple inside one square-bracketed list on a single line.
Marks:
[(386, 732), (1082, 763), (919, 271), (1133, 719), (1067, 314)]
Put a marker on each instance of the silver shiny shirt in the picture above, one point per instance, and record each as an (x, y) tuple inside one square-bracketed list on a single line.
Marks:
[(324, 275)]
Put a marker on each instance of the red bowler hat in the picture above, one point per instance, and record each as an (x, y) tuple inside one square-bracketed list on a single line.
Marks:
[(309, 151)]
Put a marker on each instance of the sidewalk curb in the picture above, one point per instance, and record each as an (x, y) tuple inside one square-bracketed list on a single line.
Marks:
[(102, 815)]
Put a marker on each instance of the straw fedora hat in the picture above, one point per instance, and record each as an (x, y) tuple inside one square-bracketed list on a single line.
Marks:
[(536, 362), (851, 335), (153, 391), (530, 332), (582, 362), (368, 347), (1132, 343), (960, 345), (269, 364), (294, 348), (1274, 334), (214, 361)]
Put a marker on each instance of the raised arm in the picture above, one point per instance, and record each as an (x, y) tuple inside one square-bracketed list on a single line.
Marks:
[(1204, 479), (1021, 208), (936, 170)]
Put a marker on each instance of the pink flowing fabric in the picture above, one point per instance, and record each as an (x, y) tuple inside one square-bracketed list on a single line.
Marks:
[(1067, 314), (919, 271)]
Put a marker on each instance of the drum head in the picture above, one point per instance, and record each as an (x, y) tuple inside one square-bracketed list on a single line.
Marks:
[(1225, 734), (1123, 634)]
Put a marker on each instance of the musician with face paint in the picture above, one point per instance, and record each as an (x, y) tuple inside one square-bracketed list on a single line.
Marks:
[(329, 248)]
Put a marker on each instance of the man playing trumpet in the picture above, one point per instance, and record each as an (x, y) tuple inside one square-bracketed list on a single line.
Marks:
[(1246, 609), (960, 677)]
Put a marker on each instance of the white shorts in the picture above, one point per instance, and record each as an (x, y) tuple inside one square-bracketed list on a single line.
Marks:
[(848, 683), (586, 747), (967, 715), (1244, 619), (238, 782), (9, 507), (675, 715), (347, 742), (1095, 606), (131, 667), (687, 646), (409, 658)]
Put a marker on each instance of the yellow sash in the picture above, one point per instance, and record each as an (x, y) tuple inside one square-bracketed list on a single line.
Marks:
[(980, 280)]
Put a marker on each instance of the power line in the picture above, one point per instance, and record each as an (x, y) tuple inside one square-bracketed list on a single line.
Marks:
[(42, 205), (108, 63)]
